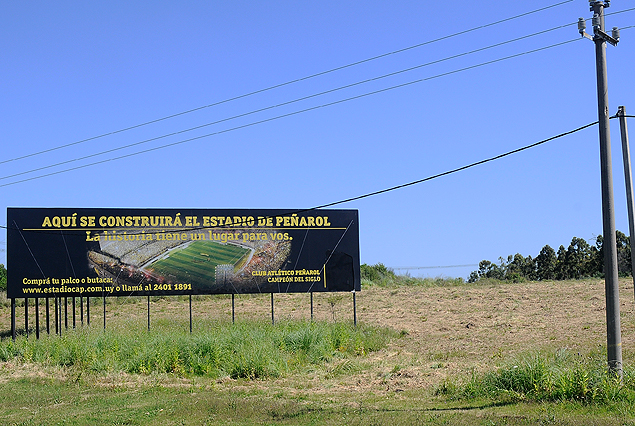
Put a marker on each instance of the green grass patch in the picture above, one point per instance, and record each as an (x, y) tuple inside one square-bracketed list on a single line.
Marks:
[(562, 376), (249, 350)]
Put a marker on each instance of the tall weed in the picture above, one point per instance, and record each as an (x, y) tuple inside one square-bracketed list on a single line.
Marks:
[(562, 376), (243, 350)]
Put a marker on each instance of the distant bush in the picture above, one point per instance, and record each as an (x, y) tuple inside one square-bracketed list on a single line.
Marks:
[(380, 275), (377, 274)]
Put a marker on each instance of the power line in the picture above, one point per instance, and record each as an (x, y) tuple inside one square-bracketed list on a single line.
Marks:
[(616, 13), (293, 101), (402, 268), (286, 83), (288, 102), (268, 119), (449, 172), (487, 160), (394, 188)]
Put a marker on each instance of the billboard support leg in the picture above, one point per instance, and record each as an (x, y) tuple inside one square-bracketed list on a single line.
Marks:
[(81, 309), (148, 313), (48, 317), (311, 306), (273, 321), (104, 297), (74, 308), (233, 310), (13, 319), (26, 316), (37, 318), (354, 309), (190, 314), (56, 318), (66, 312), (88, 311)]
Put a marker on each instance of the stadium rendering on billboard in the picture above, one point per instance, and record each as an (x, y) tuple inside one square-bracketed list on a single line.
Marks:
[(113, 252)]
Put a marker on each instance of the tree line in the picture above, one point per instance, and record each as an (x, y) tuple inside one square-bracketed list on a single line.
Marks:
[(579, 260)]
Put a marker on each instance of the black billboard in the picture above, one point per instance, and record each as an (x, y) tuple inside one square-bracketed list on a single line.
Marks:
[(114, 252)]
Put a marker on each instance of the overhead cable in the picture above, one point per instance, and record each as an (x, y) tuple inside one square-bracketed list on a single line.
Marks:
[(429, 178), (287, 102), (449, 172), (617, 12), (271, 118), (285, 83), (402, 268)]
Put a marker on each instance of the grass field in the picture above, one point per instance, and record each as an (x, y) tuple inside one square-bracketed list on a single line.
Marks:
[(449, 343), (196, 263)]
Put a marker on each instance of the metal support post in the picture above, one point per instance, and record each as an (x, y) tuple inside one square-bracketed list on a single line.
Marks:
[(272, 316), (148, 313), (26, 316), (55, 302), (74, 310), (233, 311), (13, 330), (48, 318), (354, 309), (37, 318), (59, 302)]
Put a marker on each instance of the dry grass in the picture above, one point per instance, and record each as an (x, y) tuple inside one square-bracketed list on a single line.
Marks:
[(449, 332)]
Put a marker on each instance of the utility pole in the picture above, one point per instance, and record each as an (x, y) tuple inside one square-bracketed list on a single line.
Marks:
[(628, 178), (613, 328)]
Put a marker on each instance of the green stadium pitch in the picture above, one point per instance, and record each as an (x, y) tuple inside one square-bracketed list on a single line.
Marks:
[(197, 262)]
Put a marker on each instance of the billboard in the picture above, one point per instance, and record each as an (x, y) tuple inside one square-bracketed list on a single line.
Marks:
[(114, 252)]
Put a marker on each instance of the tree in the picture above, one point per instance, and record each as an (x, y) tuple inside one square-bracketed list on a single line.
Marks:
[(562, 269), (546, 264), (520, 267), (578, 259), (598, 256), (487, 269), (623, 254)]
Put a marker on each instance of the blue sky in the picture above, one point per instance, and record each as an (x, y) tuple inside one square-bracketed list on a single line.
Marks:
[(75, 70)]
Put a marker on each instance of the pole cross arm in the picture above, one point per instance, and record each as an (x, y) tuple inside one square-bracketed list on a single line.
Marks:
[(582, 27), (601, 35), (613, 39)]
